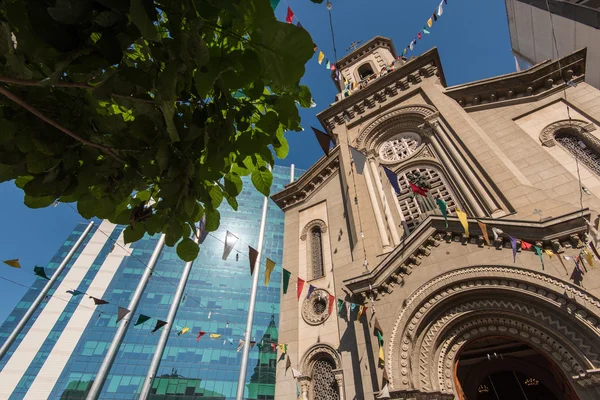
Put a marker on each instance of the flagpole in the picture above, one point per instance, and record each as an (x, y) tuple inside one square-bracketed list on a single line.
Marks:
[(31, 310), (164, 334), (246, 350), (94, 392)]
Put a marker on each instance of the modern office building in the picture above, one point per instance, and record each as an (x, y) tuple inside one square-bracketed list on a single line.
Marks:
[(60, 350), (576, 26)]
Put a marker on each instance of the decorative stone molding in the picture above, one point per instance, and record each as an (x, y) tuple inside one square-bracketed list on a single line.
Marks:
[(582, 128), (317, 351), (315, 308), (309, 227)]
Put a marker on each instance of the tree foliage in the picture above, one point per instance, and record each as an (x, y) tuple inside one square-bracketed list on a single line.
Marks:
[(146, 113)]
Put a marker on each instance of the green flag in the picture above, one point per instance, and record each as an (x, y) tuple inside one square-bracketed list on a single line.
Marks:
[(443, 208), (538, 251), (380, 337), (274, 4), (141, 319), (340, 306), (286, 280), (74, 292), (39, 271)]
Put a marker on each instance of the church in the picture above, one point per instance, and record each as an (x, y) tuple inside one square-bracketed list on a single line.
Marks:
[(446, 245)]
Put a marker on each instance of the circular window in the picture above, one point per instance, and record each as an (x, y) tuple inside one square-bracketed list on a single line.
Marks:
[(315, 308), (319, 306), (399, 146)]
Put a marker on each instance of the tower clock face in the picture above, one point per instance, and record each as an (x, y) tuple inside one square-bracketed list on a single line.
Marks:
[(399, 146)]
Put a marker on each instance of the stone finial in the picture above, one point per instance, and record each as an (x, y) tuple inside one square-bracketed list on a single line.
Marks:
[(510, 94), (549, 82), (568, 75), (529, 90), (493, 97), (498, 243), (576, 241), (476, 100)]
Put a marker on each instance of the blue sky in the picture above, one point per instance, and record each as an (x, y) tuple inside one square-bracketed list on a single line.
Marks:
[(472, 39)]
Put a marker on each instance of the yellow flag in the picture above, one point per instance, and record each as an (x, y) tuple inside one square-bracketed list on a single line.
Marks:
[(429, 22), (463, 220), (381, 357), (283, 347), (13, 263), (321, 57), (215, 335), (589, 257), (360, 312), (184, 330), (549, 252), (270, 266)]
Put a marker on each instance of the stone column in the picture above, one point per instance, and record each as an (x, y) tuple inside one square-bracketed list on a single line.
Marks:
[(435, 123), (339, 378), (427, 131), (384, 202), (304, 382), (385, 241)]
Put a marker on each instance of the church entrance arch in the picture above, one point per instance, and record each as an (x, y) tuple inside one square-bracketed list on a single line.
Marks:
[(444, 319)]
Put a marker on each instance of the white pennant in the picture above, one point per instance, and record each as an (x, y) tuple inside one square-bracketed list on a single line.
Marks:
[(497, 232), (385, 393), (348, 305), (440, 9), (240, 345), (230, 241)]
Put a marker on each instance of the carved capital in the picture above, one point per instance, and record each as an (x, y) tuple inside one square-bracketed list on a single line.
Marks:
[(426, 130)]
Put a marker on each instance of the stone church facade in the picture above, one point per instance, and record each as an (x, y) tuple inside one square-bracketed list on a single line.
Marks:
[(460, 318)]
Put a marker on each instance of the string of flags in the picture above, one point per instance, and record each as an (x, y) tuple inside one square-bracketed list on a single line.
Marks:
[(426, 30)]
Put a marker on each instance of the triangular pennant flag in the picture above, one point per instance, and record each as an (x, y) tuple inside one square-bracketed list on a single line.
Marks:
[(13, 263), (539, 252), (290, 15), (98, 301), (286, 280), (380, 337), (252, 343), (443, 208), (418, 190), (297, 390), (230, 340), (240, 345), (381, 356), (200, 334), (385, 393), (310, 290), (274, 4), (178, 329), (121, 313), (184, 330), (299, 25), (252, 255), (141, 319), (76, 293), (411, 46), (463, 220), (419, 35), (323, 139), (484, 232), (429, 22), (340, 306), (202, 228), (321, 57), (288, 363), (296, 373), (513, 243), (215, 335), (327, 64), (269, 268), (385, 375), (393, 178), (359, 160), (159, 324), (589, 257), (426, 31), (434, 17), (497, 232), (39, 271), (283, 348), (300, 286), (348, 310), (331, 300), (353, 306), (361, 309), (580, 260), (550, 253), (440, 10), (525, 245), (594, 249), (377, 326), (333, 68), (230, 241)]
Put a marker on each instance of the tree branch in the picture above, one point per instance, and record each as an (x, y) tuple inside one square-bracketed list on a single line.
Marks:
[(107, 150)]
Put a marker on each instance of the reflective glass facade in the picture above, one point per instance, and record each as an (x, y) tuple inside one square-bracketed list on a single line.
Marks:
[(215, 301)]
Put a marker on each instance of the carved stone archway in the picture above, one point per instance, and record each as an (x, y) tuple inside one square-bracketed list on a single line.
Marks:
[(315, 353), (559, 320), (581, 127), (315, 222)]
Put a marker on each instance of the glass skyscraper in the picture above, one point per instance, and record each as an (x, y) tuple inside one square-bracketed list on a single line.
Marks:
[(58, 353)]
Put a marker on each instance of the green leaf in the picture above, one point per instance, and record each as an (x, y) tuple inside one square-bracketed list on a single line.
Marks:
[(268, 123), (205, 77), (216, 196), (168, 110), (304, 97), (38, 202), (283, 148), (213, 220), (233, 184), (187, 250), (167, 82), (68, 11), (139, 16), (133, 235), (107, 18), (262, 179)]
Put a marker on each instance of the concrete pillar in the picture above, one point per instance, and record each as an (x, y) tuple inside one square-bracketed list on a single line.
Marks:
[(385, 241), (386, 208)]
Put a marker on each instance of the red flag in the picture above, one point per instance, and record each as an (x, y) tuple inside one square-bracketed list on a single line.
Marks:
[(525, 245), (273, 346), (331, 300), (300, 286), (290, 16), (200, 335), (419, 35), (333, 67), (418, 190)]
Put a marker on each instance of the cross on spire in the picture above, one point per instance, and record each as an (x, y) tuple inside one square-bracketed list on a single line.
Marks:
[(354, 45)]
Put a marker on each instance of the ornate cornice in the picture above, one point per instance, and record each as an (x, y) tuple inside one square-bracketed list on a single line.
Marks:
[(300, 190), (529, 85), (356, 55)]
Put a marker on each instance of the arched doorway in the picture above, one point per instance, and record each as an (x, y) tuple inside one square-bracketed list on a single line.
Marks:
[(497, 367)]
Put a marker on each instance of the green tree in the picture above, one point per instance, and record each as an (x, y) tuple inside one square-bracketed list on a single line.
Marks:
[(146, 112)]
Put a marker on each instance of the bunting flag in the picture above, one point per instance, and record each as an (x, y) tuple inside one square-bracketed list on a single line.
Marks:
[(340, 306), (525, 245), (141, 319), (576, 275), (393, 179), (418, 190), (328, 65), (240, 345), (98, 301), (13, 263), (310, 290), (381, 356), (497, 232), (539, 252), (286, 280), (331, 300), (484, 232), (384, 393), (440, 10), (429, 23), (200, 334), (361, 309), (39, 271), (269, 268), (419, 35), (296, 373), (273, 346), (290, 15), (283, 348), (434, 17), (274, 4), (299, 25), (297, 390), (323, 139), (594, 249), (202, 229), (121, 313), (589, 257), (359, 160), (183, 331), (209, 314), (321, 57), (425, 31), (443, 208), (214, 335), (513, 243), (563, 264), (549, 252), (230, 241), (385, 375), (288, 363), (252, 255), (411, 46), (463, 220), (333, 67), (252, 343), (348, 311), (300, 286), (75, 293), (159, 324), (378, 327), (580, 261)]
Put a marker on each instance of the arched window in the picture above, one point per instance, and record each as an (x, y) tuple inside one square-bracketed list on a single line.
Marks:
[(364, 71), (316, 250), (571, 141), (324, 384)]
